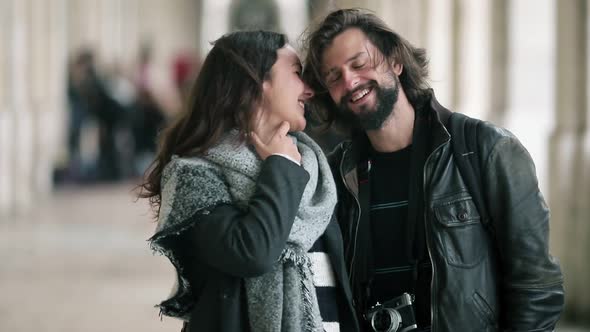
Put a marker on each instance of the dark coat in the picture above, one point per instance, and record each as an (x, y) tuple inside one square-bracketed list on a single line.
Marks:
[(482, 280), (227, 245)]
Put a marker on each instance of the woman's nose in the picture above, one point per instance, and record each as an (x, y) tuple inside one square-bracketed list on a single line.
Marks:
[(307, 92)]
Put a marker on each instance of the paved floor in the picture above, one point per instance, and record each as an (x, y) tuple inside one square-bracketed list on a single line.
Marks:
[(79, 262)]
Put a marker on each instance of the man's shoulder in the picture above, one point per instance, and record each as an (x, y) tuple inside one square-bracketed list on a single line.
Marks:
[(487, 132), (490, 140)]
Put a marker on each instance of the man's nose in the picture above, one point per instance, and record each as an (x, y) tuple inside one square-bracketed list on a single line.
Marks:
[(351, 79)]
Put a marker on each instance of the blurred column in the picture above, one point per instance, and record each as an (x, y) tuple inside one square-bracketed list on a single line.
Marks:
[(110, 29), (83, 24), (6, 112), (583, 195), (570, 154), (318, 9), (474, 57), (408, 18), (42, 121), (49, 95), (179, 24), (20, 101), (31, 108), (38, 85), (499, 48), (529, 91), (442, 48), (293, 19), (214, 22), (129, 30)]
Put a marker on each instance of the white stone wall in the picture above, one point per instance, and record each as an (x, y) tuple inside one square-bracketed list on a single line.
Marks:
[(440, 45), (215, 22), (293, 18)]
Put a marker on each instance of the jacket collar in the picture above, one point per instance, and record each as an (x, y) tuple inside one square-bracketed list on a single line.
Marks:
[(354, 148)]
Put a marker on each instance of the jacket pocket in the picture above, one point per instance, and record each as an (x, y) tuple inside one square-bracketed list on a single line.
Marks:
[(484, 310), (461, 233)]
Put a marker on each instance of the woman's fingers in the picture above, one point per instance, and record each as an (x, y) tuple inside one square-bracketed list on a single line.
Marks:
[(279, 143), (283, 130)]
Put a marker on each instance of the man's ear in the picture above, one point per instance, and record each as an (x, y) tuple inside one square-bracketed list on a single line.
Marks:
[(398, 68)]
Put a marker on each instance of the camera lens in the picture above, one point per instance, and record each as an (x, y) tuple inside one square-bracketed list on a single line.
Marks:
[(382, 321), (386, 320)]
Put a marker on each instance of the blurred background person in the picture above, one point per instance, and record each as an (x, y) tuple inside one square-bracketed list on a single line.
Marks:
[(148, 117), (91, 103), (185, 68), (120, 86)]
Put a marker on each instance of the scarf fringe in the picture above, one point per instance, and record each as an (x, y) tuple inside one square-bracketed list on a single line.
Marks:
[(303, 265), (176, 304)]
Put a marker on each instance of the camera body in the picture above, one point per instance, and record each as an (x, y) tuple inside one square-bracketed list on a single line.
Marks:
[(393, 315)]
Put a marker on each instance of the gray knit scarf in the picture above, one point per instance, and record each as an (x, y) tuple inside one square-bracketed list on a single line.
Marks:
[(283, 299)]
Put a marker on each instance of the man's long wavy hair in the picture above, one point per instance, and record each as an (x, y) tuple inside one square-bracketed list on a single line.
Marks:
[(392, 46), (224, 97)]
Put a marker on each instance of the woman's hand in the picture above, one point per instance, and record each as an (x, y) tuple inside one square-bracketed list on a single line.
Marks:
[(279, 143)]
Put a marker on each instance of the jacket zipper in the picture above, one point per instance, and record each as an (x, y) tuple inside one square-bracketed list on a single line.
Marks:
[(428, 246), (358, 215), (428, 240)]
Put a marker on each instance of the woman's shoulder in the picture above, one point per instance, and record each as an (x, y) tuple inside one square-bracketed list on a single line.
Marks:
[(192, 172), (187, 165)]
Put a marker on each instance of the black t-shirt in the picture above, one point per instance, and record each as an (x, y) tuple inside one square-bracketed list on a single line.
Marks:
[(393, 269)]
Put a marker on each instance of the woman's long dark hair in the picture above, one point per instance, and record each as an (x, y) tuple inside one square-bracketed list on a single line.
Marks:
[(224, 97)]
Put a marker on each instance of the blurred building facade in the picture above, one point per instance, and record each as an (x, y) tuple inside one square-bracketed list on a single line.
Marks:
[(520, 63)]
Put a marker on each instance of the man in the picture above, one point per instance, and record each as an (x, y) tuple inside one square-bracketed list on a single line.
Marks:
[(409, 222)]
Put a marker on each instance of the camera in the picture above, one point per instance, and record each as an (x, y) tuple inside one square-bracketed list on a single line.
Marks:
[(393, 315)]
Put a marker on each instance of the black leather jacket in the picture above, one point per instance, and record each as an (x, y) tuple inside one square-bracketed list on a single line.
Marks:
[(483, 280)]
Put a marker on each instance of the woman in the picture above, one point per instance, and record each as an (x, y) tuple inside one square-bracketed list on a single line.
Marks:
[(245, 208)]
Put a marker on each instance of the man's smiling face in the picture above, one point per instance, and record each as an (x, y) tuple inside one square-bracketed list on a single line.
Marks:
[(359, 79)]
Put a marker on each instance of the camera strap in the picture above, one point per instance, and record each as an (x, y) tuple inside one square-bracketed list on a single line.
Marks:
[(364, 267), (416, 242)]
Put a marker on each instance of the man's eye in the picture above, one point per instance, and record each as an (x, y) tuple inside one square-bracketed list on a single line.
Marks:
[(358, 65), (333, 79)]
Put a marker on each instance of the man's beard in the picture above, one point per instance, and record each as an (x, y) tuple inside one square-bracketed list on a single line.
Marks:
[(373, 118)]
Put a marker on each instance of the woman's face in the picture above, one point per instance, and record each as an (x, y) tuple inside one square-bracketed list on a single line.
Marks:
[(284, 93)]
